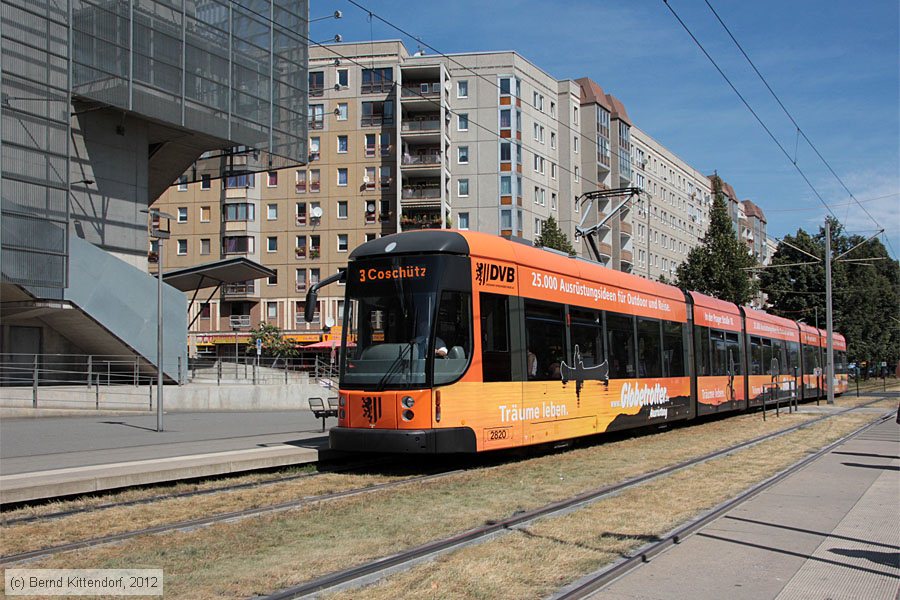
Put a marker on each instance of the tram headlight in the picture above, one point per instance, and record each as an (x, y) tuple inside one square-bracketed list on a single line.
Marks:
[(408, 415), (407, 402), (343, 400)]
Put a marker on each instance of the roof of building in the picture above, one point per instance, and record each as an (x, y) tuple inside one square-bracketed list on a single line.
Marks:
[(617, 109), (591, 92), (752, 210), (726, 187)]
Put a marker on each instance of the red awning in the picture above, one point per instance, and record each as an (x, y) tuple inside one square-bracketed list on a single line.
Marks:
[(326, 345)]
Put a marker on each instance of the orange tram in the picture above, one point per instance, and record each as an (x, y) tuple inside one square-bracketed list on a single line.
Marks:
[(467, 342)]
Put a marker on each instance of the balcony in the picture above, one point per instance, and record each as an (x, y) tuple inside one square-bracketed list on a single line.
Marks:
[(315, 186), (239, 321), (429, 157), (316, 123), (421, 90), (603, 160), (421, 192), (377, 87), (314, 253), (248, 288), (300, 252), (315, 91), (626, 257), (300, 320), (625, 228), (300, 286), (605, 249), (421, 124), (376, 120), (421, 221)]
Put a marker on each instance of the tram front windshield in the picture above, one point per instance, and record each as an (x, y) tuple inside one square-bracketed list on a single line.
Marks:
[(402, 330)]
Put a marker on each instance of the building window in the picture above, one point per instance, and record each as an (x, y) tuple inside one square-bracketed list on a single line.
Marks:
[(205, 182), (537, 226), (575, 143), (553, 170), (576, 174), (505, 118), (369, 178), (343, 78), (272, 311), (341, 111), (370, 144), (553, 200), (272, 179), (505, 152), (462, 88), (300, 181), (342, 242), (342, 209), (463, 220), (375, 81), (505, 218), (182, 247), (204, 246), (463, 155), (239, 211), (316, 116), (315, 145), (205, 310), (552, 108), (316, 83), (300, 279), (342, 177), (371, 236), (462, 122), (462, 188), (377, 113), (505, 185), (575, 114), (300, 212), (182, 214), (238, 244), (183, 183), (342, 144), (272, 212), (272, 244), (204, 214), (239, 180)]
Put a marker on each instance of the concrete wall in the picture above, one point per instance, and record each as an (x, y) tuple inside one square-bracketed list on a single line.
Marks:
[(186, 398)]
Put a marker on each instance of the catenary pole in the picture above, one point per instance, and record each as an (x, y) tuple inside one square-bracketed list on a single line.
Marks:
[(829, 354)]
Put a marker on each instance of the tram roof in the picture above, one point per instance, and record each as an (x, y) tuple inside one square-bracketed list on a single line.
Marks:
[(715, 312), (498, 248), (764, 324)]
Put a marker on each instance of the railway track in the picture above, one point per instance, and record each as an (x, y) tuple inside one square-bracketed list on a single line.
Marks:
[(370, 571), (364, 570)]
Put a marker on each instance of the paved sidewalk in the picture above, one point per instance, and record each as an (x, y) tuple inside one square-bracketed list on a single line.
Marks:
[(830, 531), (47, 457)]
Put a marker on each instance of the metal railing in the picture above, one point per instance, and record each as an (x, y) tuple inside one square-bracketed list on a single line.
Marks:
[(126, 381), (251, 369)]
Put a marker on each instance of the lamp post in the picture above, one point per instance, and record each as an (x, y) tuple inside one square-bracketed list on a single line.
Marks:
[(159, 235)]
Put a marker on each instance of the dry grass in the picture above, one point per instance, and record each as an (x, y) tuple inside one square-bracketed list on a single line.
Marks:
[(147, 492), (262, 554), (538, 560)]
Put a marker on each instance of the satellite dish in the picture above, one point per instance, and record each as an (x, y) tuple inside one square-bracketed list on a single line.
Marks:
[(317, 212), (329, 322), (365, 179)]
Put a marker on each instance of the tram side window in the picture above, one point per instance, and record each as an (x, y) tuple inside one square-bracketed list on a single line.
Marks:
[(733, 354), (810, 359), (779, 354), (673, 349), (701, 349), (586, 335), (649, 348), (719, 352), (766, 356), (496, 359), (545, 339), (454, 329), (756, 356), (620, 341)]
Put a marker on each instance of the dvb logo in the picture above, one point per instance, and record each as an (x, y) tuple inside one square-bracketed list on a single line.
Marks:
[(485, 273)]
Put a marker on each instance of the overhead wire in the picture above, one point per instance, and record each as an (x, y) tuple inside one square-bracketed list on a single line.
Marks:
[(800, 131), (750, 108)]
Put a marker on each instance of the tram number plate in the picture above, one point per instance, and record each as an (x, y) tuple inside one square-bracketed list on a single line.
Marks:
[(499, 434)]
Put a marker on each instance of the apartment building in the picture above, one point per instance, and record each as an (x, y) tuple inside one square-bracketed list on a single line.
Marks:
[(400, 141), (672, 214)]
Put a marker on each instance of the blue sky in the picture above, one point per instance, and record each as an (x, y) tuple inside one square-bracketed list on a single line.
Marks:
[(835, 65)]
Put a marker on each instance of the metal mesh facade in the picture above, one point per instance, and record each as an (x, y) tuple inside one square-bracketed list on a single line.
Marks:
[(228, 69)]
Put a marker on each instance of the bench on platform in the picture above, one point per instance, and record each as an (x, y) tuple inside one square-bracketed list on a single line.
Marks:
[(322, 410)]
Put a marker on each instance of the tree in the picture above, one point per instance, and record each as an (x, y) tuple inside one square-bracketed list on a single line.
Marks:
[(553, 237), (719, 266), (865, 297), (273, 342)]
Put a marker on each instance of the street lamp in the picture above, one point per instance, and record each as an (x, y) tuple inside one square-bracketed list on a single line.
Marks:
[(159, 236)]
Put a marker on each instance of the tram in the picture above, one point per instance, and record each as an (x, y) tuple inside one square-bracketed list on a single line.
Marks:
[(467, 342)]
